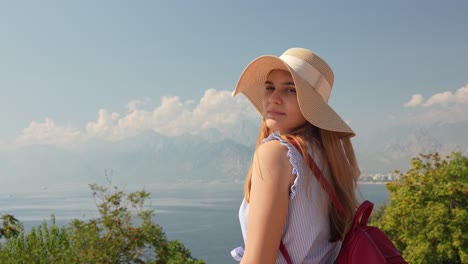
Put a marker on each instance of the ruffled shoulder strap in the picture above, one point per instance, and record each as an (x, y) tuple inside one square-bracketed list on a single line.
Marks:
[(295, 158)]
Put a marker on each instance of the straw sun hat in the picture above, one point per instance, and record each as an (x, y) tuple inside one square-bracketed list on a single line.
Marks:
[(313, 79)]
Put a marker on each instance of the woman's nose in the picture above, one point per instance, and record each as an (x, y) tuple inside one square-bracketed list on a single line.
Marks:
[(274, 98)]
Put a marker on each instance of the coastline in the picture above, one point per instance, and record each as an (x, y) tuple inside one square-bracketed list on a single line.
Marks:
[(373, 182)]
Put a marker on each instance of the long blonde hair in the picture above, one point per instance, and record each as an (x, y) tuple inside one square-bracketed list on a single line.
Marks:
[(344, 171)]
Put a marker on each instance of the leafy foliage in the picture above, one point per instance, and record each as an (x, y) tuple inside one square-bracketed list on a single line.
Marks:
[(428, 211), (124, 233), (10, 226)]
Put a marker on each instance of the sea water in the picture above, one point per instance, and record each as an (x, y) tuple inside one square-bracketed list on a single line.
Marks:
[(203, 217)]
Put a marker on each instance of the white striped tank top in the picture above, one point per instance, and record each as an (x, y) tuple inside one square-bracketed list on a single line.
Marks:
[(306, 234)]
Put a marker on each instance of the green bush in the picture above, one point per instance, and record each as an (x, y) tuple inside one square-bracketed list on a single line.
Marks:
[(427, 214), (124, 232)]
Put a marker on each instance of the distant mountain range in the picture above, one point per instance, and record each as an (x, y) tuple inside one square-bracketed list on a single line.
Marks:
[(396, 153), (151, 157), (147, 158)]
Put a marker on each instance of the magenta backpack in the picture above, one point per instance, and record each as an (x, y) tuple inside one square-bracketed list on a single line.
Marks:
[(362, 244)]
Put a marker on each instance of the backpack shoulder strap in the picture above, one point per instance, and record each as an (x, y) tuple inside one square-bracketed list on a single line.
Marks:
[(362, 214), (321, 179), (325, 185), (285, 253)]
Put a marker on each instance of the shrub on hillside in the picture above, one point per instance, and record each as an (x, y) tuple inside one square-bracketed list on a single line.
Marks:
[(124, 232), (427, 214)]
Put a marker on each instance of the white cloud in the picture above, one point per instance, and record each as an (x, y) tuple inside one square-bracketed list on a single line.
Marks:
[(49, 133), (215, 110), (415, 100), (103, 127), (132, 105), (440, 98), (172, 117), (462, 95), (445, 98), (443, 108)]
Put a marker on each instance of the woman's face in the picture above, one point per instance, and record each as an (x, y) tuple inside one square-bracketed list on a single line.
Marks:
[(282, 112)]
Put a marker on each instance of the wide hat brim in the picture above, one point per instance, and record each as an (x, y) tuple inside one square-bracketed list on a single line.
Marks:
[(315, 110)]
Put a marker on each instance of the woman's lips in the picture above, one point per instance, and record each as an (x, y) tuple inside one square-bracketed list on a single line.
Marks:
[(274, 113)]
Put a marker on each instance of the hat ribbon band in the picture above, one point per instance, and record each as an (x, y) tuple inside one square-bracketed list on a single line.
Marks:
[(310, 74)]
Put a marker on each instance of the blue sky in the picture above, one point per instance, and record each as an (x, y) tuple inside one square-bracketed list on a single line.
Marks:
[(71, 71)]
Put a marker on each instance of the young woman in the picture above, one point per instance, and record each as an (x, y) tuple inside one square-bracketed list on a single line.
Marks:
[(284, 201)]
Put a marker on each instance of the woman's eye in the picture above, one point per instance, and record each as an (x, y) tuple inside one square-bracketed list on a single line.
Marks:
[(269, 88), (291, 90)]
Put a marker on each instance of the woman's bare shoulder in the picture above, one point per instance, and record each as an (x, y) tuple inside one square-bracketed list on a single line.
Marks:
[(272, 157), (273, 149)]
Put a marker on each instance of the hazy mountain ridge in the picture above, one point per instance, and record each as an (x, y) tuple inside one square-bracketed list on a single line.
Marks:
[(153, 158), (397, 152), (147, 158)]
